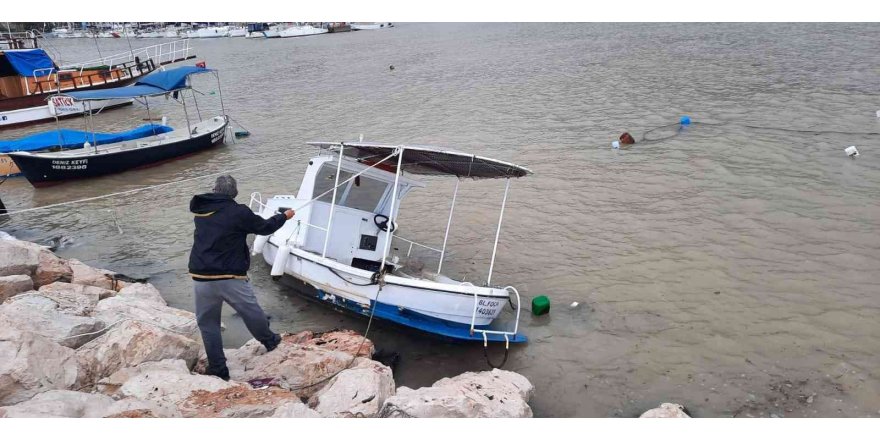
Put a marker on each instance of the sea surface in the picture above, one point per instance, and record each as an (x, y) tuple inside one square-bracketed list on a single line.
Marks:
[(731, 266)]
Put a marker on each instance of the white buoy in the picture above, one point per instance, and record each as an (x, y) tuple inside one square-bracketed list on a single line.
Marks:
[(615, 145), (878, 113), (259, 243), (280, 261), (574, 304), (852, 151)]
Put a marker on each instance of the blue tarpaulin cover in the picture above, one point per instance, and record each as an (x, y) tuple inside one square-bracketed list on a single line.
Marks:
[(25, 62), (69, 139), (156, 83)]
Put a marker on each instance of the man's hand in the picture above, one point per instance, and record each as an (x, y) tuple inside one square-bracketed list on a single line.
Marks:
[(289, 214)]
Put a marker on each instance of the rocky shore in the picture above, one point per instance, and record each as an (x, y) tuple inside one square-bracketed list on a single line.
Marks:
[(78, 341)]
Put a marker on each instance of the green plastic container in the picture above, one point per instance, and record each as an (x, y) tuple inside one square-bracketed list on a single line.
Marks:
[(540, 305)]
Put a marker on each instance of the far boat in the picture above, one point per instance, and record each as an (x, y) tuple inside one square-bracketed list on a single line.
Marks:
[(300, 31), (31, 82), (237, 32), (261, 30), (370, 26), (45, 168), (340, 240)]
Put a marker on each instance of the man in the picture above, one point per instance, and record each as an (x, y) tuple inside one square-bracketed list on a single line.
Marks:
[(218, 264)]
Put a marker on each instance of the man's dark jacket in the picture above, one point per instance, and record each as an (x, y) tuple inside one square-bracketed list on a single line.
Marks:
[(220, 249)]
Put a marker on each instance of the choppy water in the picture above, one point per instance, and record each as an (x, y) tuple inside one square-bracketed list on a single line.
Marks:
[(728, 268)]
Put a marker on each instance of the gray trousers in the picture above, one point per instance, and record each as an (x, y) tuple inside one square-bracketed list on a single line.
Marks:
[(210, 296)]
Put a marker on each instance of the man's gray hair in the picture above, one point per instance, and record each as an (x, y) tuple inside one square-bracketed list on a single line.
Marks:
[(225, 184)]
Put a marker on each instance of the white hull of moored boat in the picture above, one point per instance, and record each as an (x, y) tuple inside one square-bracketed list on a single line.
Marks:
[(301, 31), (269, 33), (370, 26), (44, 112)]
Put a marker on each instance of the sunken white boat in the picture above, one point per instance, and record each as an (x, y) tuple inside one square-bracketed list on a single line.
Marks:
[(339, 241)]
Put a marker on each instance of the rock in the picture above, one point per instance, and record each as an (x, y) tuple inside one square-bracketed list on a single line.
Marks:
[(44, 316), (90, 276), (11, 285), (495, 393), (51, 269), (75, 299), (65, 403), (19, 257), (139, 308), (357, 392), (110, 385), (293, 365), (345, 341), (295, 410), (666, 411), (31, 364), (238, 401), (142, 291), (166, 384), (61, 403), (130, 343)]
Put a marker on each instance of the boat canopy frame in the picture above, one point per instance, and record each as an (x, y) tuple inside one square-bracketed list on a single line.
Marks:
[(174, 82)]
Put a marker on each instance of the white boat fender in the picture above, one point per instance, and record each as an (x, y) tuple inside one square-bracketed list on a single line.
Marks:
[(259, 243), (164, 120), (851, 151), (280, 261)]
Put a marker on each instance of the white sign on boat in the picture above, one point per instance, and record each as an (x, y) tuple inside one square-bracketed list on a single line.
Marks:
[(60, 105)]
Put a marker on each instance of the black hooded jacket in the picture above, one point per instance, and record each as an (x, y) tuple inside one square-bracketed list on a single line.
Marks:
[(220, 249)]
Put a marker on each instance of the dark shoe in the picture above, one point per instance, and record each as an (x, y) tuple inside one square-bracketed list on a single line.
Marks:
[(273, 344), (221, 372)]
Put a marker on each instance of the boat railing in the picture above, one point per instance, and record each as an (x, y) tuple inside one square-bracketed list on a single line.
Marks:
[(161, 54), (49, 79), (486, 332), (18, 40), (257, 199)]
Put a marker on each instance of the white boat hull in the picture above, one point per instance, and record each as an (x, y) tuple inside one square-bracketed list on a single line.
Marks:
[(44, 113), (301, 31), (426, 298), (271, 33), (370, 26)]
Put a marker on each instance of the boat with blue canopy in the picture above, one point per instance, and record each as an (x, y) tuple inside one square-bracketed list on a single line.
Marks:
[(49, 167)]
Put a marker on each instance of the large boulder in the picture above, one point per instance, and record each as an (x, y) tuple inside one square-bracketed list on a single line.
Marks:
[(294, 409), (11, 285), (666, 411), (51, 269), (75, 299), (346, 341), (143, 291), (31, 364), (44, 316), (495, 393), (356, 392), (166, 384), (90, 276), (65, 403), (19, 257), (301, 368), (141, 308), (242, 401), (130, 343)]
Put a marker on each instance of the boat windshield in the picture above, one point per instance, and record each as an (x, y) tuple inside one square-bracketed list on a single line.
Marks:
[(362, 193)]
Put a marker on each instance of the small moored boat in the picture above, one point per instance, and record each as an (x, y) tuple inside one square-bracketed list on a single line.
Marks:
[(340, 240), (43, 168)]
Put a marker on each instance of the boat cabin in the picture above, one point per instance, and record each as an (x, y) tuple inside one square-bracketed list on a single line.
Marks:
[(27, 72), (360, 219)]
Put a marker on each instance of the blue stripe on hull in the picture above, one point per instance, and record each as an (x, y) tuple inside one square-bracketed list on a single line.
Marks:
[(412, 319)]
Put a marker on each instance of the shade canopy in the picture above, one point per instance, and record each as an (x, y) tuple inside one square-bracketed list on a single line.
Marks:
[(156, 83), (26, 62), (68, 139), (427, 160)]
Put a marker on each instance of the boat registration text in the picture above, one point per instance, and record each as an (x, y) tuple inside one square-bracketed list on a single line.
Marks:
[(78, 164), (486, 307)]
